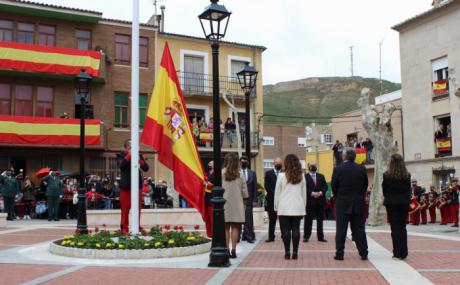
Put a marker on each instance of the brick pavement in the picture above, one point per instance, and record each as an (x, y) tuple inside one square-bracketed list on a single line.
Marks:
[(265, 264)]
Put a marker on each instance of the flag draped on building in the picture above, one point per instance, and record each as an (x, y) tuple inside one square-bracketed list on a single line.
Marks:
[(360, 156), (168, 130)]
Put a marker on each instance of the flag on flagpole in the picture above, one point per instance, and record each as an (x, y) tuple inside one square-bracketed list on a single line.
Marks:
[(168, 130)]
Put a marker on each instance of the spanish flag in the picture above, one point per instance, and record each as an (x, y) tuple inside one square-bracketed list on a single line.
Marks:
[(168, 130), (360, 156), (444, 144), (440, 86)]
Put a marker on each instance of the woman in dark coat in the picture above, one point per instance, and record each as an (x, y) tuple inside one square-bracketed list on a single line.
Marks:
[(396, 191)]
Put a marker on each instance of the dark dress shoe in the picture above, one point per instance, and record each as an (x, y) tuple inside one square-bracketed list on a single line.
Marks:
[(57, 220), (395, 257), (49, 220), (250, 241), (364, 257), (287, 255), (295, 256), (233, 254), (338, 257), (322, 240), (270, 240), (305, 239)]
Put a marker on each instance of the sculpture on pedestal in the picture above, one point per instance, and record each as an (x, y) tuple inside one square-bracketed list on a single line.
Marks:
[(378, 126)]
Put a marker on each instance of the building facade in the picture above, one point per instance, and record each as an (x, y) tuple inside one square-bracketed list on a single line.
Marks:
[(430, 58), (45, 94), (281, 140)]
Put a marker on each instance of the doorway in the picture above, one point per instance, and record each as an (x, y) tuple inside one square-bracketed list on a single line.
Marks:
[(19, 164)]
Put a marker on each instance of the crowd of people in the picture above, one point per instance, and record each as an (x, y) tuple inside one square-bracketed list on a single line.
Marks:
[(365, 145)]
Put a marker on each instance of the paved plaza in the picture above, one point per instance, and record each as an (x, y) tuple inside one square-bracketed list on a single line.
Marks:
[(433, 259)]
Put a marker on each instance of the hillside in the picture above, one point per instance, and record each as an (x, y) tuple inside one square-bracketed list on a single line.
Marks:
[(317, 97)]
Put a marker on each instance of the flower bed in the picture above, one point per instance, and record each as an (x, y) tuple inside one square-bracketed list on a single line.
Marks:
[(158, 242)]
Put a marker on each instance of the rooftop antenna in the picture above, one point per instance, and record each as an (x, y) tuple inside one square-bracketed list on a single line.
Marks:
[(351, 61)]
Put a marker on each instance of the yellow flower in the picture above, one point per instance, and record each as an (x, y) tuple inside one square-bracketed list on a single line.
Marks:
[(121, 246), (171, 241), (108, 245), (157, 244), (191, 238), (72, 244), (146, 244), (80, 244), (63, 242), (98, 245), (68, 237)]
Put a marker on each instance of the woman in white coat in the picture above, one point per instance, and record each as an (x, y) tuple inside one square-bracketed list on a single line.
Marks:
[(290, 203)]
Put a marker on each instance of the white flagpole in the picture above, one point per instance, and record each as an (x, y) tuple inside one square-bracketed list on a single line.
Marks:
[(135, 120)]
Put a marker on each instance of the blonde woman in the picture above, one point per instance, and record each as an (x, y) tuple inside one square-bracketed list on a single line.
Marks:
[(235, 192), (290, 203)]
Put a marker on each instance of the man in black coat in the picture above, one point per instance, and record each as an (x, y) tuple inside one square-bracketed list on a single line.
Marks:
[(271, 177), (349, 186), (251, 181), (316, 201)]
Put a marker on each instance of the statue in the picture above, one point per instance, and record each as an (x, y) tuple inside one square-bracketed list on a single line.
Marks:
[(378, 126)]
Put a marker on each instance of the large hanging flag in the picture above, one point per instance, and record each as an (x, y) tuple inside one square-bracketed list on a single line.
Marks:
[(168, 130), (440, 86)]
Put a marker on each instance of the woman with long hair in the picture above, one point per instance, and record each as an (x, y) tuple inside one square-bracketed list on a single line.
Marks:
[(290, 202), (396, 192), (235, 192)]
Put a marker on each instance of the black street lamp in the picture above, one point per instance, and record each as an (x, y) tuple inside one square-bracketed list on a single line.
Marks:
[(82, 88), (247, 78), (214, 21)]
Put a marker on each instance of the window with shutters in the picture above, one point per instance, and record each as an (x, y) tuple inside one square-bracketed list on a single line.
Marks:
[(23, 103), (121, 110), (193, 73), (5, 99), (143, 51), (122, 49), (6, 30), (440, 76), (83, 39), (142, 109), (236, 66), (46, 35), (25, 33)]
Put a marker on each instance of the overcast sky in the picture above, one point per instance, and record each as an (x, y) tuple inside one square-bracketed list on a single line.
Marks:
[(305, 38)]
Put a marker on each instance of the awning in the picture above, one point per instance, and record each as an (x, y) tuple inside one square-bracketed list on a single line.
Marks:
[(41, 131), (46, 59)]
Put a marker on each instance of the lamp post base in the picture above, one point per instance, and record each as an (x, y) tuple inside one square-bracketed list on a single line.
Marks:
[(219, 255), (82, 225)]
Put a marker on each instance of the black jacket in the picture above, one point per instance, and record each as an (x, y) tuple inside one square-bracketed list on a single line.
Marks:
[(124, 163), (321, 186), (252, 186), (396, 191), (270, 185), (349, 186)]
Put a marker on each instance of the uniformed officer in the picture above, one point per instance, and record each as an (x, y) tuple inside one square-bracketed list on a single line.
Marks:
[(53, 193), (10, 187)]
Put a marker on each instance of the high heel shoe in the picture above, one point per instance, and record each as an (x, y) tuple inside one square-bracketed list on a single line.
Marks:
[(287, 255), (233, 255), (295, 256)]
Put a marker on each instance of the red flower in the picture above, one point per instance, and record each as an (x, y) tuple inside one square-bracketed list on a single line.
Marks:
[(144, 233), (96, 229), (104, 225), (167, 227), (176, 228), (181, 228), (167, 234), (197, 227)]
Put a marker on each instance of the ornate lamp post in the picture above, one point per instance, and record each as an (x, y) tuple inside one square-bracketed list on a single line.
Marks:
[(214, 21), (82, 88), (247, 78)]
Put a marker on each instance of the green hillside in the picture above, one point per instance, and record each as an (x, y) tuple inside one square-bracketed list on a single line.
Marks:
[(317, 97)]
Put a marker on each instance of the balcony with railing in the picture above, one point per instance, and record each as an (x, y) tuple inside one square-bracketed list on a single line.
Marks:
[(200, 84), (228, 141)]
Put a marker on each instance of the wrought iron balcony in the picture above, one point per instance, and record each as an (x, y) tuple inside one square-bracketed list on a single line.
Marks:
[(200, 84)]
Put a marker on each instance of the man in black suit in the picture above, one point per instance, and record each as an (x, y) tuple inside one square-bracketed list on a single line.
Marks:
[(349, 186), (270, 183), (316, 201), (251, 181)]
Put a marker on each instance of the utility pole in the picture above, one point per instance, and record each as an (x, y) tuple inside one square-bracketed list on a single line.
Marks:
[(351, 61)]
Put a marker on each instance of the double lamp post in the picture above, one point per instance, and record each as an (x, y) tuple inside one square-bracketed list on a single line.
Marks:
[(214, 22)]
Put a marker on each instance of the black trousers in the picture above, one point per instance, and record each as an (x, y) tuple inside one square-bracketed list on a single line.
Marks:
[(9, 206), (358, 232), (272, 217), (290, 230), (397, 216), (312, 212), (248, 231), (53, 207)]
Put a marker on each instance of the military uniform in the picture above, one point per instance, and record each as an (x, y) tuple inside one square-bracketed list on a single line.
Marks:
[(53, 192), (10, 187)]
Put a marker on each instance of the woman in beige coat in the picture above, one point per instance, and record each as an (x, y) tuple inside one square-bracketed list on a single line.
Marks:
[(235, 192)]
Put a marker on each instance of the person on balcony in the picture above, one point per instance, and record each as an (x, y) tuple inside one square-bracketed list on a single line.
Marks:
[(230, 128), (369, 146)]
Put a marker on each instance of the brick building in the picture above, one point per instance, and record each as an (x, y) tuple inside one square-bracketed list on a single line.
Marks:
[(52, 94)]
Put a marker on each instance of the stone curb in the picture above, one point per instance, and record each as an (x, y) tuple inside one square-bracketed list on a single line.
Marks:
[(129, 253)]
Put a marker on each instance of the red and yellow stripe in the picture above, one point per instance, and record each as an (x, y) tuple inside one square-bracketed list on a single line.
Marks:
[(360, 155), (46, 59), (444, 144), (41, 131), (440, 86)]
